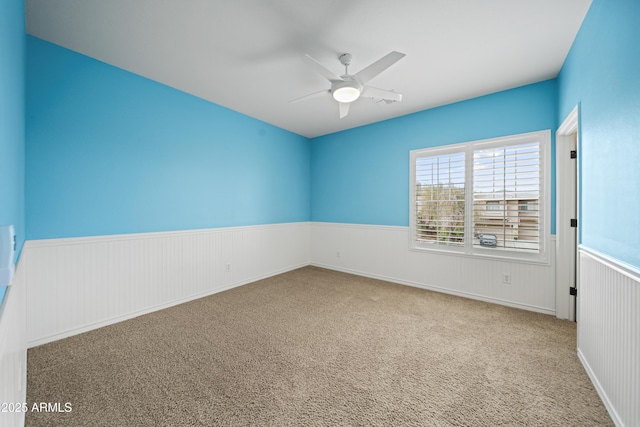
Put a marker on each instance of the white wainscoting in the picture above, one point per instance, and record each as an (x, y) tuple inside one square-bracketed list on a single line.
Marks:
[(13, 350), (78, 284), (609, 333), (383, 252)]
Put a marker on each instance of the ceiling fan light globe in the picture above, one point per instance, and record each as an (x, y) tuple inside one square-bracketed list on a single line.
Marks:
[(346, 94)]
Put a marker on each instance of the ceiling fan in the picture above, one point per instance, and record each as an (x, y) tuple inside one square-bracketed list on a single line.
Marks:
[(349, 87)]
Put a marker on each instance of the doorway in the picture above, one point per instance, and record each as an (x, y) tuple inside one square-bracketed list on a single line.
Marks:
[(567, 158)]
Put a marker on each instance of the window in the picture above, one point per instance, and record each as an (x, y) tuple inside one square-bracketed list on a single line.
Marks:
[(440, 198), (528, 205), (493, 205), (483, 198)]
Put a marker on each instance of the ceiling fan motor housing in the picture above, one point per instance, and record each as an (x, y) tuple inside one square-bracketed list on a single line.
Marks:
[(347, 90)]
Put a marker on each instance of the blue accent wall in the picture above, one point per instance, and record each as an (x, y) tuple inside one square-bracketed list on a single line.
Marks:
[(110, 152), (12, 126), (361, 176), (602, 75)]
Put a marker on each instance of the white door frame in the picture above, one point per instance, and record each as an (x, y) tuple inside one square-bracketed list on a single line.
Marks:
[(567, 182)]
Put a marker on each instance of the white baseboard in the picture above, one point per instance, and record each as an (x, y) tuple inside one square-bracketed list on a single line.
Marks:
[(439, 289), (601, 391), (79, 284), (113, 320), (383, 252)]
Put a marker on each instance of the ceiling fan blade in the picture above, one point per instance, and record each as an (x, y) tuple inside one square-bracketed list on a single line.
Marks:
[(387, 95), (379, 66), (311, 95), (328, 74), (344, 109)]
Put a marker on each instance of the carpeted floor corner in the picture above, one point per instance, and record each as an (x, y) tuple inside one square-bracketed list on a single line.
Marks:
[(314, 347)]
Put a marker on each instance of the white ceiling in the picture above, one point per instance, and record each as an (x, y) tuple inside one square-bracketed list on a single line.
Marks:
[(247, 54)]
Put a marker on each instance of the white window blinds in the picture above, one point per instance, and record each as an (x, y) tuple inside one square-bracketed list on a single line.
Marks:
[(485, 198), (440, 198), (506, 197)]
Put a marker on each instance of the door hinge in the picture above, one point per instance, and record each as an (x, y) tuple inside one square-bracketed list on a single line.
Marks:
[(574, 154), (574, 222), (573, 291)]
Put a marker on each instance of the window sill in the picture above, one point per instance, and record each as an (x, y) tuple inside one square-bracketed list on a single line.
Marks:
[(537, 259)]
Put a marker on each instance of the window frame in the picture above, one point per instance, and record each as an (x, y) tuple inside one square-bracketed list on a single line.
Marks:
[(468, 249)]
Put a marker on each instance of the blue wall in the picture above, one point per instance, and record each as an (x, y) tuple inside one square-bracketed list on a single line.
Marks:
[(12, 138), (361, 176), (602, 75), (110, 152)]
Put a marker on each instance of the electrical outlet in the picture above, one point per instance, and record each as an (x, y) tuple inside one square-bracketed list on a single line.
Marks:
[(506, 278), (227, 267)]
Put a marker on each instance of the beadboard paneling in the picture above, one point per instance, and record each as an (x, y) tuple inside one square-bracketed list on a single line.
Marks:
[(383, 252), (79, 284), (13, 349), (609, 333)]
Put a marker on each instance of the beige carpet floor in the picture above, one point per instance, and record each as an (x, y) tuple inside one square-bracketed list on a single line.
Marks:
[(314, 347)]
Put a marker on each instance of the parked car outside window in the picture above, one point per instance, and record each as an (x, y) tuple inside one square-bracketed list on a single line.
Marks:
[(489, 240)]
